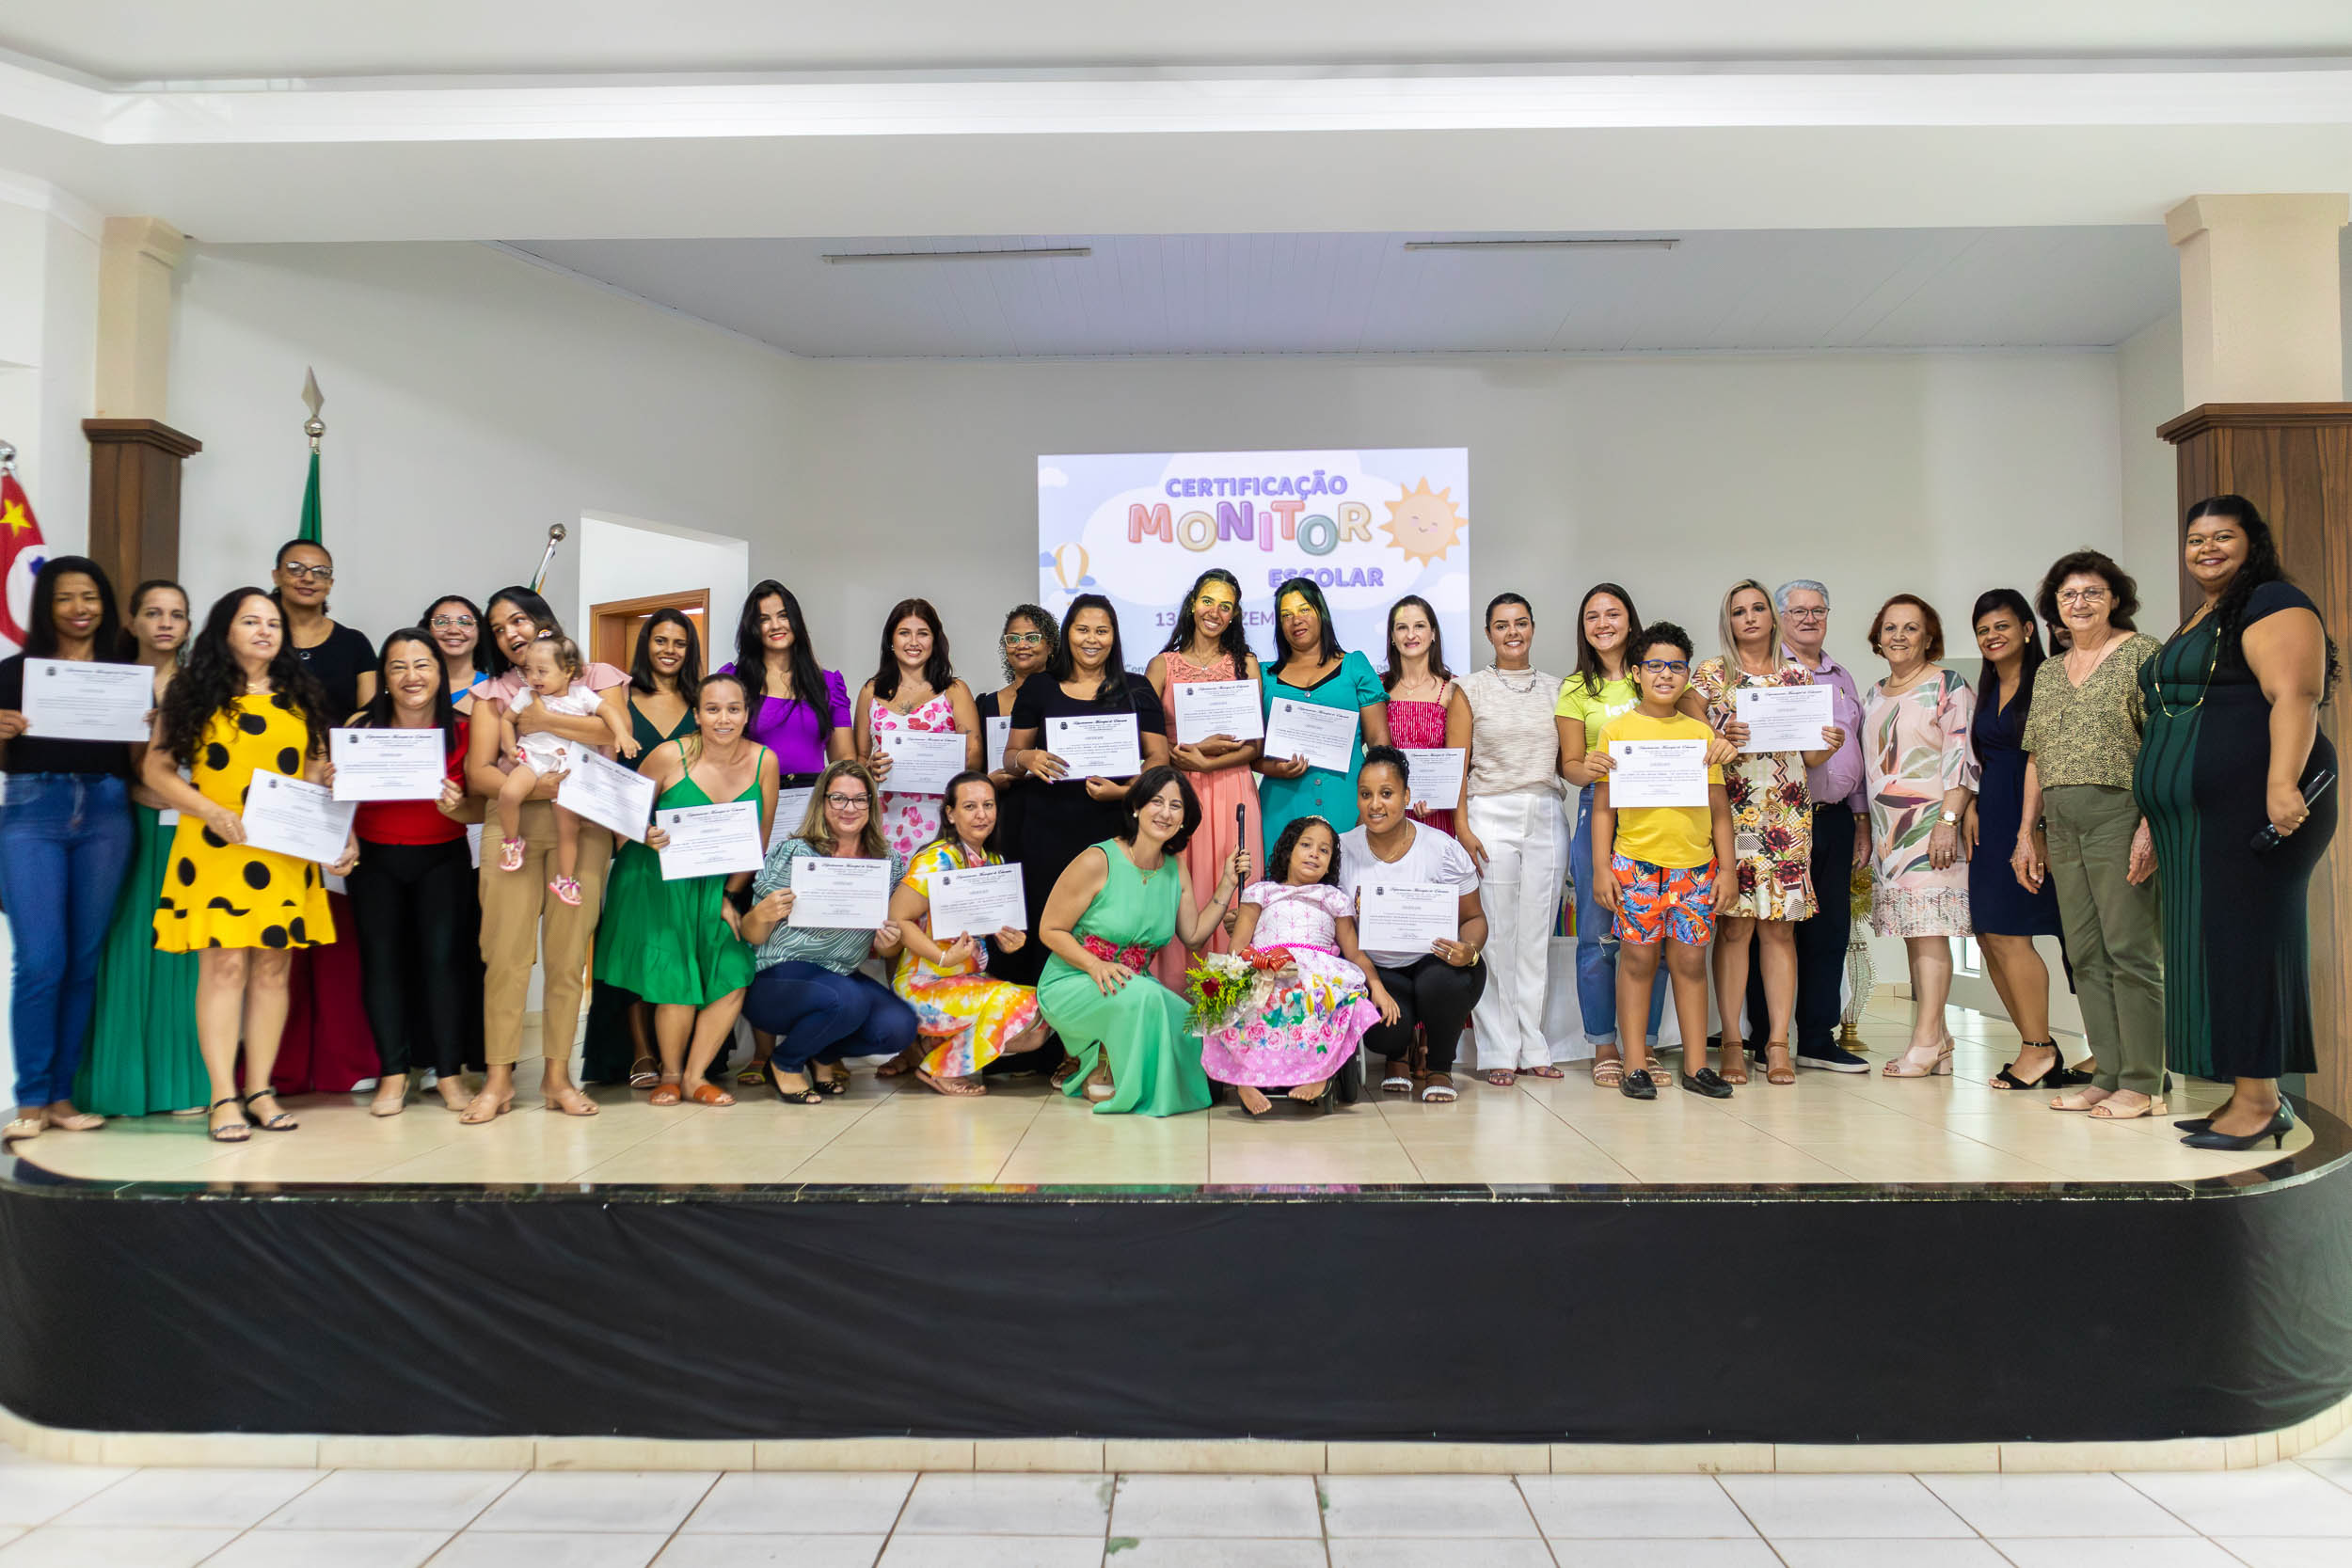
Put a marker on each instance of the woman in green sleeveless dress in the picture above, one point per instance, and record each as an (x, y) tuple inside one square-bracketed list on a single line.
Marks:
[(676, 943), (142, 1054), (663, 680), (1116, 905)]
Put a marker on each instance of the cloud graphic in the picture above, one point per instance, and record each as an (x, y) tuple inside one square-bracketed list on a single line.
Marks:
[(1051, 478)]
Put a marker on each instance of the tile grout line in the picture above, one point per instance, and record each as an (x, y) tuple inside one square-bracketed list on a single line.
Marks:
[(1551, 1549), (896, 1519), (679, 1528), (316, 1481)]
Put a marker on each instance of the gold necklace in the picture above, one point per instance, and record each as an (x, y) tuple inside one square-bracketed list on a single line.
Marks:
[(2211, 660)]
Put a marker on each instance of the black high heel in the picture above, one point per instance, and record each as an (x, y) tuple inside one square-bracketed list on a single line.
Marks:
[(282, 1122), (2281, 1125), (2058, 1075), (790, 1097)]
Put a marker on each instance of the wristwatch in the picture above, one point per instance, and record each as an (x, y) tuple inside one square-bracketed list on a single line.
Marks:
[(1952, 820)]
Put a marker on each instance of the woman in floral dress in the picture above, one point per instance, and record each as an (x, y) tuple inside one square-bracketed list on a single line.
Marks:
[(1771, 825), (968, 1016), (1300, 926), (1922, 769), (1208, 646), (915, 688)]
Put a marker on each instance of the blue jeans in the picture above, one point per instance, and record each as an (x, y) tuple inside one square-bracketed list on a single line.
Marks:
[(65, 843), (1597, 943), (821, 1015)]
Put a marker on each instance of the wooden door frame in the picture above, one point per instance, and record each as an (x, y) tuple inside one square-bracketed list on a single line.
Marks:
[(634, 607)]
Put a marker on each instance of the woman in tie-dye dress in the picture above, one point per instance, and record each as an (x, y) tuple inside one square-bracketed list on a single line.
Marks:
[(966, 1017)]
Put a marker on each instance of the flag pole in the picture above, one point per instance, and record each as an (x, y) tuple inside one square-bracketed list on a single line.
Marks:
[(556, 534)]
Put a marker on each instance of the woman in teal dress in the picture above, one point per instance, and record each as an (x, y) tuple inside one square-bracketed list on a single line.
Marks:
[(142, 1054), (663, 680), (677, 943), (1118, 904), (1314, 669)]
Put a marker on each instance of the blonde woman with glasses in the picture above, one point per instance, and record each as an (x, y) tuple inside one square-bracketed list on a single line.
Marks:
[(1770, 885)]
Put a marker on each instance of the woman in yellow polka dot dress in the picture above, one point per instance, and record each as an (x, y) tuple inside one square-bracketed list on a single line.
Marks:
[(242, 707)]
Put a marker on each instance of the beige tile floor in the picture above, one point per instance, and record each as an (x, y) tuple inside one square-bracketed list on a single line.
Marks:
[(1829, 1127)]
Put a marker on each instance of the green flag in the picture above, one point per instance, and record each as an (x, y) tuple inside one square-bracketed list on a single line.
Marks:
[(310, 533)]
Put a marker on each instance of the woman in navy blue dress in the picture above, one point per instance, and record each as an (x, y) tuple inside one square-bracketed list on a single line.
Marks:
[(2009, 916)]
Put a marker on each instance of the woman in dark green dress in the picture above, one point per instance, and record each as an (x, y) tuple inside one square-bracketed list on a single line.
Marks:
[(674, 942), (2232, 741), (663, 680)]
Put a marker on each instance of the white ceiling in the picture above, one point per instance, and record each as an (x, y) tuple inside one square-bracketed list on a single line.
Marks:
[(179, 41), (1364, 293)]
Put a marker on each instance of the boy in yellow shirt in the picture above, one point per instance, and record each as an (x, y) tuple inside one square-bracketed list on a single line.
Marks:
[(1653, 867)]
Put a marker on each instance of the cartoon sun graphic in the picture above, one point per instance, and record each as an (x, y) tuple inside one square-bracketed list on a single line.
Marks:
[(1423, 526)]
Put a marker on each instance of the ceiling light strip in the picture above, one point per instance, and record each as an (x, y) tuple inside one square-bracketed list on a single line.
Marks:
[(1045, 253), (1650, 244)]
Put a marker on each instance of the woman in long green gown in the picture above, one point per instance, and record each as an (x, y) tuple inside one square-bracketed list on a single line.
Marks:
[(676, 943), (1116, 905), (142, 1054)]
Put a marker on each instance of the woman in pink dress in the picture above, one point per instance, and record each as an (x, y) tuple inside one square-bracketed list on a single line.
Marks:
[(915, 688), (1426, 709), (1208, 646), (1300, 926)]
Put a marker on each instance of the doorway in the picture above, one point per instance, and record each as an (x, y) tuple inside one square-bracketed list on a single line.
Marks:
[(615, 625)]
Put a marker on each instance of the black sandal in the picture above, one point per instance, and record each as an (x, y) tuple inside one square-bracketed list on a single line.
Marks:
[(2058, 1075), (830, 1085), (235, 1131), (280, 1122), (790, 1097)]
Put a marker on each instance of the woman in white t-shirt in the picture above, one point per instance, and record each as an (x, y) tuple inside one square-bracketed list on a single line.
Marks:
[(1435, 986)]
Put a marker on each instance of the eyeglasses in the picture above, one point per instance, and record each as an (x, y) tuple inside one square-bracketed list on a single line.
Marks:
[(446, 622), (1024, 639), (843, 803), (1807, 614), (303, 572), (2081, 595), (1678, 666)]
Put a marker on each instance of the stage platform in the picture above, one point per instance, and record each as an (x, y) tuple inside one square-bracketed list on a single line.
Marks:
[(1826, 1128), (1849, 1261)]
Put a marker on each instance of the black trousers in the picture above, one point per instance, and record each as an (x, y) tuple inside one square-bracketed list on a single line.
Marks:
[(417, 924), (1821, 940), (1438, 996)]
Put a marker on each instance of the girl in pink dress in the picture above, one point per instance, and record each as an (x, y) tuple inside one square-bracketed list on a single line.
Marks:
[(1301, 927), (1208, 646), (1426, 709), (915, 688)]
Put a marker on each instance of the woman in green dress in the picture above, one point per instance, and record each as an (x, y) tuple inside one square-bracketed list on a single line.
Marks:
[(1311, 667), (677, 943), (663, 680), (1116, 905), (142, 1054)]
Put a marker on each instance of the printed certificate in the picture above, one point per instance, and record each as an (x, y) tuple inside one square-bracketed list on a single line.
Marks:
[(607, 793), (710, 841), (297, 817), (1786, 717), (1097, 745), (1658, 773), (851, 894), (1405, 917), (1205, 708), (388, 765), (71, 698), (1326, 737), (978, 902)]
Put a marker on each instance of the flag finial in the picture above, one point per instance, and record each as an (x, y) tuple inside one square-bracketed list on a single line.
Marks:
[(313, 427), (7, 457)]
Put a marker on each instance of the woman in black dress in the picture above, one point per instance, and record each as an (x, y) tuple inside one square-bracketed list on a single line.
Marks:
[(2231, 746), (2008, 914), (1061, 816)]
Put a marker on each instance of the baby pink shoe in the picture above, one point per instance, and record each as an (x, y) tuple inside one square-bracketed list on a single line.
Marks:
[(565, 889)]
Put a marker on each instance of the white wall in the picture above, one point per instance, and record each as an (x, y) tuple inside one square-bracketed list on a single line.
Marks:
[(471, 401), (49, 349), (633, 559)]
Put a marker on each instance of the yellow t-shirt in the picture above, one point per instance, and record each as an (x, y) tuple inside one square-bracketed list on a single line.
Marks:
[(1594, 709), (1678, 837)]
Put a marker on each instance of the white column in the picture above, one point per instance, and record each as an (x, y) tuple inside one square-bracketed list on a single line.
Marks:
[(136, 261), (2260, 297)]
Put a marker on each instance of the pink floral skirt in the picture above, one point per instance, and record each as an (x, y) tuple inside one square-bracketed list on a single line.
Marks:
[(1307, 1033)]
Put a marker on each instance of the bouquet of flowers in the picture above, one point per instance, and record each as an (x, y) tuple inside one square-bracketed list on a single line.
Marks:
[(1226, 987)]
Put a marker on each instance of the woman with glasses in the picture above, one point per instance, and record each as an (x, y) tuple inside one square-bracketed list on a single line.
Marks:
[(1922, 771), (1314, 668), (1771, 828), (1030, 636), (1207, 645), (341, 659), (809, 991), (1063, 813), (327, 1044), (456, 624), (2082, 742)]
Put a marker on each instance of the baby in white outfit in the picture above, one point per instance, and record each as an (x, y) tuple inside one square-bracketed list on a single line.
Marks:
[(551, 670)]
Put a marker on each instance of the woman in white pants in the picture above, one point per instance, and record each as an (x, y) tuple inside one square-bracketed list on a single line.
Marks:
[(1511, 823)]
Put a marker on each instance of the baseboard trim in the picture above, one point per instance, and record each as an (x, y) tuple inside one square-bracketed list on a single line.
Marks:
[(1087, 1455)]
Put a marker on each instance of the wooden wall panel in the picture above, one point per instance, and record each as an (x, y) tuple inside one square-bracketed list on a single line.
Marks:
[(135, 497), (2294, 461)]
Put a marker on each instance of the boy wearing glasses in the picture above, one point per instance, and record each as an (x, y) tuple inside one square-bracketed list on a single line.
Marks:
[(1653, 867)]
